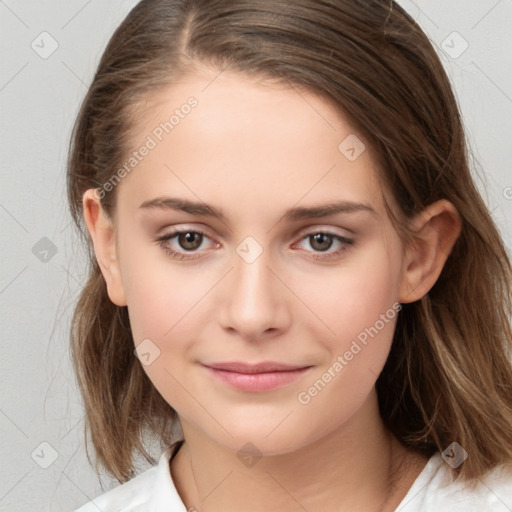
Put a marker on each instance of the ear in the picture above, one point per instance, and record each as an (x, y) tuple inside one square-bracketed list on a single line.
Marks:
[(435, 231), (102, 233)]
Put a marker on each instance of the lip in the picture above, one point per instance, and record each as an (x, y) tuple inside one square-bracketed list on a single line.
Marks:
[(255, 378)]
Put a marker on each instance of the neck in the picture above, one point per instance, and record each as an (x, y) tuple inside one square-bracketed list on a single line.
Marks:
[(360, 466)]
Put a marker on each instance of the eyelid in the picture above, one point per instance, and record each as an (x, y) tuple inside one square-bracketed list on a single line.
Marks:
[(178, 228), (328, 230)]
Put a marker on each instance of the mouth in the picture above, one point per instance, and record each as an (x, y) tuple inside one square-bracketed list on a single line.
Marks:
[(255, 378)]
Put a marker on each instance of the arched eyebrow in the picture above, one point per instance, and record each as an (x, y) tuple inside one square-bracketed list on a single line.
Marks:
[(291, 215), (326, 210)]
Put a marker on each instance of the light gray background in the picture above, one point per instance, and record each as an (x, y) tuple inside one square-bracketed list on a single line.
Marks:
[(39, 98)]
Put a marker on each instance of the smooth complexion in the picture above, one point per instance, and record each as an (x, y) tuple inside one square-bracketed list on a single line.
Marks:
[(253, 151)]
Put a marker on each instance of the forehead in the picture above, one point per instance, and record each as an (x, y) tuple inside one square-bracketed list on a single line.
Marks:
[(244, 142)]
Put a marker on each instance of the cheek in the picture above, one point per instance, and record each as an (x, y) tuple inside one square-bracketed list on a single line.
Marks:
[(157, 311), (353, 298), (360, 308), (164, 301), (159, 293)]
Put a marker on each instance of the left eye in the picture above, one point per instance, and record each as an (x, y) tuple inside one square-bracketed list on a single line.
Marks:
[(321, 242)]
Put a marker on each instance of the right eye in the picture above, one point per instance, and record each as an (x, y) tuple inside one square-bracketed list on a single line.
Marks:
[(187, 241)]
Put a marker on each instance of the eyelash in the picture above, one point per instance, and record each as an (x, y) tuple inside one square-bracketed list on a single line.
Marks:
[(162, 242)]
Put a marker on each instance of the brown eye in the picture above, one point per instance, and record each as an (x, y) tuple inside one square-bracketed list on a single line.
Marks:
[(321, 241), (185, 244), (190, 240), (322, 245)]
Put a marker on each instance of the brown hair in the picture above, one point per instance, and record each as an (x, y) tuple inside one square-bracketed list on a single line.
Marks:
[(449, 375)]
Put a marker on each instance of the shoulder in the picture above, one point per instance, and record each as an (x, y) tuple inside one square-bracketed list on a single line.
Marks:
[(130, 496), (436, 489), (151, 491)]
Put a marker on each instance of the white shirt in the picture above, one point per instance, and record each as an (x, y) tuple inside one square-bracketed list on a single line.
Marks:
[(433, 491)]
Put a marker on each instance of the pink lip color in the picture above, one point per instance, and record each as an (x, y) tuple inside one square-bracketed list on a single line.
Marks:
[(255, 378)]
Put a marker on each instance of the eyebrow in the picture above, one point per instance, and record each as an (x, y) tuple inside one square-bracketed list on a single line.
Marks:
[(292, 214)]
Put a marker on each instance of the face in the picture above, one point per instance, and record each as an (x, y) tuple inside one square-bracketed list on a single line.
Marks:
[(229, 255)]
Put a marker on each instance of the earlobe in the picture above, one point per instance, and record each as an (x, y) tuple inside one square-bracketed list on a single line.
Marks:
[(101, 231), (435, 230)]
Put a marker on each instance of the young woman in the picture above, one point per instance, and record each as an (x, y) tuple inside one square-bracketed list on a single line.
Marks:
[(295, 285)]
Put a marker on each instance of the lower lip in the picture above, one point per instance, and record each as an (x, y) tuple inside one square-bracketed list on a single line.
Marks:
[(257, 382)]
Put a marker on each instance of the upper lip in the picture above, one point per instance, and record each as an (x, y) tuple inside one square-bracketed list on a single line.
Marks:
[(264, 367)]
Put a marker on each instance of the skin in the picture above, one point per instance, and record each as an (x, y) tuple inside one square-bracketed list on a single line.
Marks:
[(254, 150)]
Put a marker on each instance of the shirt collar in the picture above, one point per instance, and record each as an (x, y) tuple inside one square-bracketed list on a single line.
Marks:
[(165, 495)]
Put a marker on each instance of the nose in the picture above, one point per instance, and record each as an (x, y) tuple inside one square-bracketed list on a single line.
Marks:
[(255, 303)]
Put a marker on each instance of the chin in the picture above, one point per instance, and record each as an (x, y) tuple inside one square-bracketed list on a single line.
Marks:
[(270, 438)]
